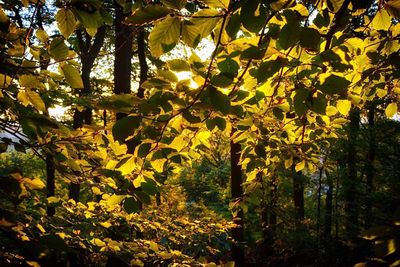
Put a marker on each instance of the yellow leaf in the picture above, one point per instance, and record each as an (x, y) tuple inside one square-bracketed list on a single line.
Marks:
[(217, 3), (158, 164), (288, 163), (115, 199), (41, 229), (35, 183), (23, 98), (96, 190), (153, 246), (33, 263), (343, 106), (300, 166), (381, 21), (331, 110), (98, 242), (106, 224), (391, 110), (52, 200), (128, 166)]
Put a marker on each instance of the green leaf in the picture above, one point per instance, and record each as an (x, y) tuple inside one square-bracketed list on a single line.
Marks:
[(144, 149), (289, 36), (299, 101), (217, 121), (65, 22), (391, 110), (310, 39), (147, 14), (334, 85), (253, 16), (219, 100), (318, 104), (229, 67), (125, 127), (164, 36), (216, 3), (131, 205), (178, 65), (233, 25), (90, 20), (176, 4), (221, 80), (72, 76), (268, 68), (58, 49)]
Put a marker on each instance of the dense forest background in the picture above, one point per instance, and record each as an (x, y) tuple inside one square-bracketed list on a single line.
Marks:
[(199, 133)]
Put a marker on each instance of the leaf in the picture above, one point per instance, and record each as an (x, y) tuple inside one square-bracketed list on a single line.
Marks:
[(289, 36), (126, 165), (233, 25), (268, 68), (318, 104), (131, 205), (310, 39), (58, 49), (72, 76), (288, 163), (217, 3), (35, 183), (381, 21), (343, 106), (334, 85), (42, 35), (200, 25), (178, 65), (147, 14), (391, 110), (125, 127), (114, 199), (176, 4), (253, 16), (91, 20), (229, 67), (164, 36), (300, 166), (218, 100), (30, 97), (65, 22), (158, 164), (98, 242)]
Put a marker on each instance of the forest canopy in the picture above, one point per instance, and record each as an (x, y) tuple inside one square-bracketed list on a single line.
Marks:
[(199, 133)]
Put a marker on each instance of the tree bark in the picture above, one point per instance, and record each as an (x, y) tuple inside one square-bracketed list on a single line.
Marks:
[(238, 254), (370, 171), (350, 185), (328, 207), (298, 199)]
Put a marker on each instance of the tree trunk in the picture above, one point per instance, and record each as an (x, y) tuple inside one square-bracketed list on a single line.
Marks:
[(298, 199), (350, 190), (328, 207), (123, 55), (238, 254), (268, 217), (370, 171)]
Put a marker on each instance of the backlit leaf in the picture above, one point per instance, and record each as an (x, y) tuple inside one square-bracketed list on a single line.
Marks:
[(391, 110), (72, 76), (65, 22), (164, 36), (125, 127), (147, 14), (343, 106), (381, 21)]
